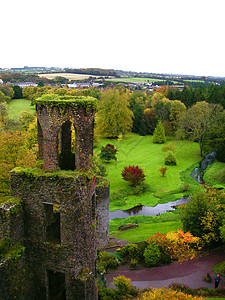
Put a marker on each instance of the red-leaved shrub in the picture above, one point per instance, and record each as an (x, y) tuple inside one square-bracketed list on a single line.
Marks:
[(134, 175)]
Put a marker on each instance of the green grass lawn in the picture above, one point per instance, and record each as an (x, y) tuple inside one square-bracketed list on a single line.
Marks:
[(141, 151), (18, 105), (214, 298), (215, 175), (144, 231), (147, 225)]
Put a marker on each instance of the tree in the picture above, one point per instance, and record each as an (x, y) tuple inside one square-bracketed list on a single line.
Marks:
[(3, 112), (195, 121), (3, 98), (134, 175), (108, 153), (176, 108), (114, 116), (159, 134), (13, 153), (163, 90), (26, 118), (213, 139), (204, 215), (7, 91), (150, 120), (137, 101), (18, 92)]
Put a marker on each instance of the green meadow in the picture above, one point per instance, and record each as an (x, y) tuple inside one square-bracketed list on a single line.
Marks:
[(138, 150), (18, 105), (215, 175), (141, 151)]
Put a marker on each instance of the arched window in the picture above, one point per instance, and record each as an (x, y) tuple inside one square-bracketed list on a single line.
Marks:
[(66, 155)]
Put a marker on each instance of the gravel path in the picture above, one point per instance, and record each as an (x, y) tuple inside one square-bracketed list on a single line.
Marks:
[(190, 273)]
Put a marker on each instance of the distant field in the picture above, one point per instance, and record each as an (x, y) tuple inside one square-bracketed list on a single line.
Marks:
[(18, 105), (69, 76), (137, 80)]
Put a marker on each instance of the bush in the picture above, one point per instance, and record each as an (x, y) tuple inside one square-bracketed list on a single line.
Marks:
[(133, 251), (184, 245), (168, 147), (106, 261), (134, 175), (129, 252), (141, 188), (123, 285), (107, 294), (152, 255), (159, 294), (163, 171), (108, 153), (170, 159), (140, 250), (133, 263)]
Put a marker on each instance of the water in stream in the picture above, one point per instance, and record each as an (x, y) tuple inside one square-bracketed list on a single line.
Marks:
[(147, 210)]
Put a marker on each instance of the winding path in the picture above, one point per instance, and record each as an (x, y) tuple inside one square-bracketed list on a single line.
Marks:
[(189, 273)]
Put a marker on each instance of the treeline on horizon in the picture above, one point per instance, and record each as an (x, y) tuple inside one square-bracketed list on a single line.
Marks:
[(22, 75)]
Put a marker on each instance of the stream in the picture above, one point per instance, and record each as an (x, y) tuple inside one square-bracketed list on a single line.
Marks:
[(147, 210), (138, 210)]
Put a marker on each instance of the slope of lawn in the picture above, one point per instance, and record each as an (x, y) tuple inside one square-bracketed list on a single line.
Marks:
[(147, 225), (18, 105), (141, 151), (215, 175), (144, 231)]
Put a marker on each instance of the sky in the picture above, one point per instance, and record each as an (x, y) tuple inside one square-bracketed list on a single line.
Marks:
[(160, 36)]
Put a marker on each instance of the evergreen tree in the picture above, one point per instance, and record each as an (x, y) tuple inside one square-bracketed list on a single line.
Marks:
[(159, 136)]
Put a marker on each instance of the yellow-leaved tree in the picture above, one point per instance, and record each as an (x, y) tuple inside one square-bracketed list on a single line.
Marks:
[(113, 116), (14, 152)]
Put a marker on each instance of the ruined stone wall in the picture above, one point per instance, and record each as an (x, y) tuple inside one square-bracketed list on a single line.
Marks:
[(12, 222), (75, 254), (51, 119), (102, 214)]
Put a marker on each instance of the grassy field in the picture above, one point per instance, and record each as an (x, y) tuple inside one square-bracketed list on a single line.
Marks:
[(137, 80), (69, 76), (143, 231), (141, 151), (215, 175), (18, 105)]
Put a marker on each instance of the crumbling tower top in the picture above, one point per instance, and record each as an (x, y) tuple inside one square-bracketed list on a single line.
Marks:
[(55, 117)]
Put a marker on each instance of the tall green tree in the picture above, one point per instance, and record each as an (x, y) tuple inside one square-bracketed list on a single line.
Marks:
[(195, 121), (204, 215), (137, 101), (213, 139), (161, 106), (176, 108), (159, 136), (113, 116)]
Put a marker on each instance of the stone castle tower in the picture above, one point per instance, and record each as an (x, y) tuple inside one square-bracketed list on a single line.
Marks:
[(64, 211)]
